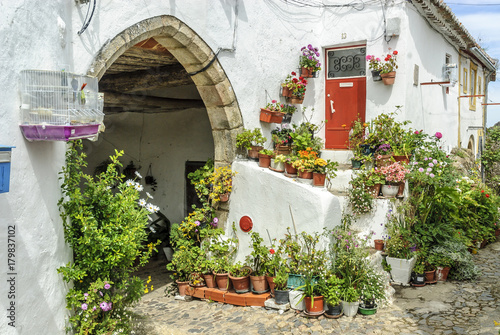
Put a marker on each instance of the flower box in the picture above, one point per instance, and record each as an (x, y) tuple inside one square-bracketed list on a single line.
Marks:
[(270, 116)]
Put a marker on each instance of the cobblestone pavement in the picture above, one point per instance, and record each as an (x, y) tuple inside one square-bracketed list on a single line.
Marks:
[(444, 308)]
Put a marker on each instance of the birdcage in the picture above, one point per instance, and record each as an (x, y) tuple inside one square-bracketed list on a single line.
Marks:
[(59, 106)]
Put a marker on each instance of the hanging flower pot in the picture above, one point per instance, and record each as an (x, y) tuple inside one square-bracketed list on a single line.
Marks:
[(285, 92), (388, 78), (376, 75), (296, 100), (270, 116), (306, 72)]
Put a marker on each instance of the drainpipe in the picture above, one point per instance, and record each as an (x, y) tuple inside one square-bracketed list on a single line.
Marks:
[(459, 142)]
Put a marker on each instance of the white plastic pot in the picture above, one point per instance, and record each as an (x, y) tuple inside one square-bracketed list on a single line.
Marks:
[(295, 296), (350, 308)]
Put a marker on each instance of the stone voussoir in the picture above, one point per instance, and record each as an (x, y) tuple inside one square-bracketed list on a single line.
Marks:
[(221, 94), (225, 117)]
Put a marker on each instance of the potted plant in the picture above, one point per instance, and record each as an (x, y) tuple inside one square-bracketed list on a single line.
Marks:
[(280, 286), (388, 68), (350, 299), (314, 303), (298, 88), (330, 288), (259, 257), (305, 163), (287, 85), (418, 273), (394, 174), (222, 250), (291, 171), (272, 113), (251, 140), (372, 291), (430, 268), (222, 183), (282, 141), (309, 62), (399, 255), (375, 67), (182, 266), (240, 277), (278, 163), (265, 156)]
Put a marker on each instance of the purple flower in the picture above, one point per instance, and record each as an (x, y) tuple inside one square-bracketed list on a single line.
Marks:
[(197, 223), (302, 48), (85, 306), (431, 175), (317, 64), (431, 165), (310, 57), (94, 308), (103, 306), (216, 220), (421, 170), (435, 161), (438, 135), (107, 286), (425, 158), (349, 233), (101, 293), (310, 47)]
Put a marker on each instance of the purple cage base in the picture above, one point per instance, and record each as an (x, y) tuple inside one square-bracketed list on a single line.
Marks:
[(58, 133)]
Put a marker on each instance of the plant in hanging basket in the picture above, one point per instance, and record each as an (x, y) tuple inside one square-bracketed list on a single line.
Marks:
[(298, 87), (310, 58)]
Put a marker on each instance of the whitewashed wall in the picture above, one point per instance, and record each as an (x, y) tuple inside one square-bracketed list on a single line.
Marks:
[(34, 36), (42, 35)]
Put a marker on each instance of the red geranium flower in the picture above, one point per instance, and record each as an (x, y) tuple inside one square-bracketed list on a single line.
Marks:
[(395, 52), (293, 73), (272, 251), (487, 195), (482, 191)]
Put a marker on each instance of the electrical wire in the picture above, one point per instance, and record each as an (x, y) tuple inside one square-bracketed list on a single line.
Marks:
[(85, 22)]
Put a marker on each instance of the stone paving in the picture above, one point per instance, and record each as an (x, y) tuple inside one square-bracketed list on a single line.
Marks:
[(444, 308)]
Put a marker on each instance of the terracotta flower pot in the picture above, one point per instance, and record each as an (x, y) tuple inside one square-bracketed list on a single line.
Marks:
[(270, 282), (282, 149), (240, 284), (222, 280), (290, 169), (316, 307), (182, 286), (319, 179), (388, 78), (285, 91), (384, 160), (379, 244), (374, 190), (402, 158), (259, 284), (210, 280), (497, 232), (224, 197), (430, 275), (296, 100), (442, 273), (264, 160), (306, 174), (306, 72), (401, 189), (254, 151)]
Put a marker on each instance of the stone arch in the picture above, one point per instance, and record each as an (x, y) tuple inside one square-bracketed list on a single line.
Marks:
[(194, 54), (471, 145)]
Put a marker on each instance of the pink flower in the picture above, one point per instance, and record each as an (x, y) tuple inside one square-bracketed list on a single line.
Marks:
[(416, 132), (274, 101), (438, 135)]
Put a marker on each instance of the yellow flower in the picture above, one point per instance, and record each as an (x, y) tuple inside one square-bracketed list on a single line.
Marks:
[(152, 288), (146, 290)]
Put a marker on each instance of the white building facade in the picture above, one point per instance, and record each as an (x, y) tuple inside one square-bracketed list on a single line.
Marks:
[(242, 51)]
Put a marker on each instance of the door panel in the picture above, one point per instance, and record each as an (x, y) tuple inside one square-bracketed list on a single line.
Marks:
[(345, 93)]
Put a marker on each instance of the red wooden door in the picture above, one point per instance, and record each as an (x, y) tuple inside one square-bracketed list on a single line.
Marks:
[(345, 93)]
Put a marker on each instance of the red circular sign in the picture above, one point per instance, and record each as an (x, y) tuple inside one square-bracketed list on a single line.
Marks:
[(246, 223)]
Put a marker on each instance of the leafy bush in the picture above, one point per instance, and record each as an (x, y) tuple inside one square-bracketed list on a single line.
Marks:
[(105, 224)]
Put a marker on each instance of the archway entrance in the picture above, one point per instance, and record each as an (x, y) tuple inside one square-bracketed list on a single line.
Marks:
[(167, 101)]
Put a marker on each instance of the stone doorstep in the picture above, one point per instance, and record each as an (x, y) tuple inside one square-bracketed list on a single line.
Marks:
[(230, 297)]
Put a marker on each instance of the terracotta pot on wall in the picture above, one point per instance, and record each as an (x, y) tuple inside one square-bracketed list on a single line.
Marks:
[(306, 174), (290, 169), (285, 91), (388, 78), (306, 72), (319, 179), (379, 244), (254, 151), (295, 100), (264, 160)]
